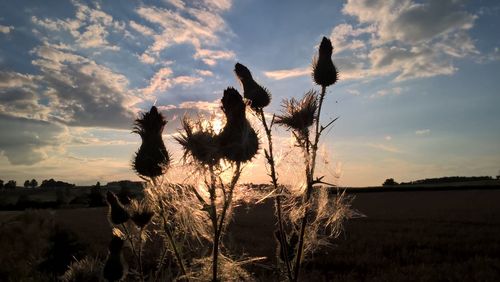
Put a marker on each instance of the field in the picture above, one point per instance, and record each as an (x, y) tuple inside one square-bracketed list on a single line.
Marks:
[(451, 235)]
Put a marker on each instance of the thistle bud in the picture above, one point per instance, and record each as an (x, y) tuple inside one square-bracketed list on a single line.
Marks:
[(299, 115), (152, 158), (115, 268), (117, 213), (141, 213), (238, 140), (324, 71), (258, 95), (198, 142)]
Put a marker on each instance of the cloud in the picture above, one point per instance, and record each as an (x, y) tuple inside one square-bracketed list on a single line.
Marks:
[(387, 92), (6, 29), (282, 74), (199, 26), (407, 38), (28, 141), (144, 30), (421, 132), (82, 92), (89, 29), (162, 80), (204, 72)]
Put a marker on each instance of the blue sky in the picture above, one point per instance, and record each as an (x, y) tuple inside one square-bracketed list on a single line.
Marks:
[(418, 95)]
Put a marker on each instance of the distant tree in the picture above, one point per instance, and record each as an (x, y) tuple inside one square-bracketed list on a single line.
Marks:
[(389, 182), (11, 184), (1, 183), (33, 183), (26, 184), (96, 198)]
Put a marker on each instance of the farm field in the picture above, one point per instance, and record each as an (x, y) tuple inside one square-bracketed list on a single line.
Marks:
[(406, 236)]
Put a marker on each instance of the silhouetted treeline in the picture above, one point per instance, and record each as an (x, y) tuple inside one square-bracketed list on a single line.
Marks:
[(448, 179), (51, 183)]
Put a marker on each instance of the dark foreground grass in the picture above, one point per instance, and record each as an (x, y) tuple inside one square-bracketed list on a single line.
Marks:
[(406, 236)]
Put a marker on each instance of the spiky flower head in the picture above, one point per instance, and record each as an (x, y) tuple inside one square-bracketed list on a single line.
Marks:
[(258, 95), (238, 141), (141, 213), (114, 269), (152, 158), (117, 213), (299, 115), (198, 142), (324, 71)]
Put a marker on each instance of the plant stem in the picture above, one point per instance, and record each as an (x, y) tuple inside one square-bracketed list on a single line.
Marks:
[(129, 238), (213, 215), (310, 166), (174, 247), (270, 160), (141, 272)]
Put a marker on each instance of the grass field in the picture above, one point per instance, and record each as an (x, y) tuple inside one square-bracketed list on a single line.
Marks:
[(406, 236)]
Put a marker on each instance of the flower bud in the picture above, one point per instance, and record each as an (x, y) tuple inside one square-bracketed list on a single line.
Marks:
[(324, 71), (117, 213), (152, 158), (238, 140), (258, 95)]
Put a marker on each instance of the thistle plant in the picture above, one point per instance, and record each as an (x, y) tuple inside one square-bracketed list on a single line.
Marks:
[(215, 157), (259, 98), (303, 212)]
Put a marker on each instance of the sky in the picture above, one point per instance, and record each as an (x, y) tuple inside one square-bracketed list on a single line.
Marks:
[(417, 98)]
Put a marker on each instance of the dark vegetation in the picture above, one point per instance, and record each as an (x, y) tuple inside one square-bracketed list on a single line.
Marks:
[(408, 236)]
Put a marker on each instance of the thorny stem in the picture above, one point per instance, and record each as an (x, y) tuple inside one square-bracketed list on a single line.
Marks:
[(270, 160), (171, 241), (141, 272), (310, 166), (129, 238), (174, 247), (213, 215)]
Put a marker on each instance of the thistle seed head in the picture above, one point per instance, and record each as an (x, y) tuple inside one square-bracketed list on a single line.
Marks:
[(238, 141), (117, 213), (324, 71), (299, 115), (141, 213), (256, 94), (198, 142), (152, 158)]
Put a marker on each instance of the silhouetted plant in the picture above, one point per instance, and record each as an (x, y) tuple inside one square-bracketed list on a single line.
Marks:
[(115, 268), (152, 158), (221, 154), (306, 211), (84, 270)]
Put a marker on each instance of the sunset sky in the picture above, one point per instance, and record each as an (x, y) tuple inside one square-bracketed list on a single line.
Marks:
[(418, 96)]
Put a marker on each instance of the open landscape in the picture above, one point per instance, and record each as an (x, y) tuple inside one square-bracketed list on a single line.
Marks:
[(442, 234), (234, 140)]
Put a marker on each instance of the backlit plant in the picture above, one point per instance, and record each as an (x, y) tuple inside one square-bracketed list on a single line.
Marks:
[(196, 211)]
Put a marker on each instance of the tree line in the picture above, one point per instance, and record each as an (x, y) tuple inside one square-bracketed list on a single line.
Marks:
[(47, 183)]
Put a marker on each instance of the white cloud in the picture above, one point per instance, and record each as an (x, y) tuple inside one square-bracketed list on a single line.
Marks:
[(142, 29), (82, 92), (204, 72), (282, 74), (162, 80), (89, 29), (423, 132), (199, 26), (6, 29), (387, 92), (407, 38)]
